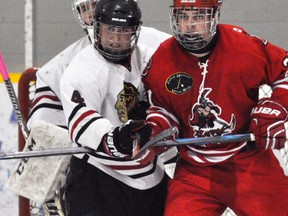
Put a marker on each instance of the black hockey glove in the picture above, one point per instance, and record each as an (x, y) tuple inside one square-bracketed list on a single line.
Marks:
[(139, 111), (122, 141)]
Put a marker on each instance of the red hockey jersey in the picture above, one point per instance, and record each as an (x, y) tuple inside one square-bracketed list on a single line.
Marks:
[(213, 97)]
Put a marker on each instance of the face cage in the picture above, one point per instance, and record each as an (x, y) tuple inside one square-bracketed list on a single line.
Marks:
[(116, 54), (84, 12), (191, 38)]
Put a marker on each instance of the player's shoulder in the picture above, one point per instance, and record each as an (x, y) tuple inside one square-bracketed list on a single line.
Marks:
[(238, 36), (154, 31), (143, 52), (69, 52), (86, 55), (60, 62), (167, 47), (237, 33), (87, 66), (230, 32), (152, 37)]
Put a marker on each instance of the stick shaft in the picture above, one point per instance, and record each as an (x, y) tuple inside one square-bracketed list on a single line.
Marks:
[(44, 153), (167, 143), (16, 106), (13, 97), (207, 140)]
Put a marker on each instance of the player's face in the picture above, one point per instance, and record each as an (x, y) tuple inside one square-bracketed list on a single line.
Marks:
[(87, 11), (115, 39), (195, 23)]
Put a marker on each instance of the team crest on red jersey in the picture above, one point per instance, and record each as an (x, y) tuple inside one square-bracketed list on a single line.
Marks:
[(179, 83), (205, 120)]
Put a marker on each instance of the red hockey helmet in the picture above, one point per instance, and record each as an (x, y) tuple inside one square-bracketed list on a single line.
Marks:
[(185, 18), (197, 3)]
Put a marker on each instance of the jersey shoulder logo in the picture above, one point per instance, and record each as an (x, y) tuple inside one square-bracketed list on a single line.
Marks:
[(179, 83)]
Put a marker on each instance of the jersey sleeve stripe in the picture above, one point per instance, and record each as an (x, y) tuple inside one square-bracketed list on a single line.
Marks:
[(45, 105), (148, 172), (43, 89), (77, 122), (50, 97), (74, 112), (84, 127)]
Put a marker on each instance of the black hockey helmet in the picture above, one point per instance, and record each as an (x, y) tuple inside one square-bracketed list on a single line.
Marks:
[(123, 18), (118, 12)]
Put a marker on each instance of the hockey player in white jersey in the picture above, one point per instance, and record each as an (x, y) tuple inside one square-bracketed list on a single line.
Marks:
[(47, 105), (100, 90)]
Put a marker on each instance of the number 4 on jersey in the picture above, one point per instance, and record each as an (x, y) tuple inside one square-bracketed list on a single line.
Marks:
[(76, 97)]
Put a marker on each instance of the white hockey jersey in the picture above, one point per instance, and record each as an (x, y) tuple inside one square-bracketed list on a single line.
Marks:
[(46, 104), (91, 89), (152, 37)]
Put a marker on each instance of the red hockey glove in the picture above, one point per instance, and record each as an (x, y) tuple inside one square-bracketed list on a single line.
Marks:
[(269, 124), (124, 140), (154, 132)]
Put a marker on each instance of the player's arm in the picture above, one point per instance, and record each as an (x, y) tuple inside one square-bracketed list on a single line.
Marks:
[(86, 126), (46, 105), (270, 116)]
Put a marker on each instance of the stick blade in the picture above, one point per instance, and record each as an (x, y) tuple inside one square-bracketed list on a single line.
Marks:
[(161, 136)]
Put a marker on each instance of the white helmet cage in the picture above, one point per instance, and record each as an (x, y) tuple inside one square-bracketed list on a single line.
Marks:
[(84, 11), (183, 23), (116, 50)]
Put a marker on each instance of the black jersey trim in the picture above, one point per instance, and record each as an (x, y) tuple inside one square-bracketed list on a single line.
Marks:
[(45, 105), (84, 127), (73, 113), (152, 170), (43, 89)]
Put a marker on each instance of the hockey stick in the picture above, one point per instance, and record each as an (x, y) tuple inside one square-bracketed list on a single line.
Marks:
[(207, 140), (44, 153), (13, 97), (198, 141), (157, 141), (74, 150), (22, 124)]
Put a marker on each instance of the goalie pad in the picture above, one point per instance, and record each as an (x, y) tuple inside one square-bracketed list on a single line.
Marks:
[(38, 178)]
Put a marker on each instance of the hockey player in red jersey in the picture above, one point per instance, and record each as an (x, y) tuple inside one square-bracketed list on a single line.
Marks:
[(205, 81)]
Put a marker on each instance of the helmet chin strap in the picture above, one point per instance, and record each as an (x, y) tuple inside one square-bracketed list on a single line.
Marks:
[(207, 49), (90, 32)]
